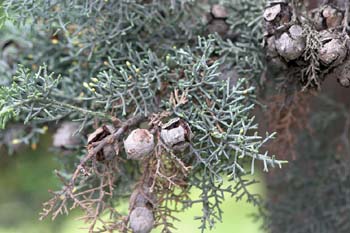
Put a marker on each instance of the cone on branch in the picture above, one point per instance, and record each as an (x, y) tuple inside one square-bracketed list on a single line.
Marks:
[(291, 45), (141, 220), (216, 22), (271, 13), (219, 26), (276, 15), (139, 144), (176, 134), (333, 52), (219, 12)]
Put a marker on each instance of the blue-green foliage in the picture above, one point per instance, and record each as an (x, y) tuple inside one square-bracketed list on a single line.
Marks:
[(91, 61)]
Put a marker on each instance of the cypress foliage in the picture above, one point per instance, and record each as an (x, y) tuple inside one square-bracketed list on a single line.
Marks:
[(151, 98)]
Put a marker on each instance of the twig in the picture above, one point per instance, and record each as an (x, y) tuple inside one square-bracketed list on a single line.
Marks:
[(85, 199)]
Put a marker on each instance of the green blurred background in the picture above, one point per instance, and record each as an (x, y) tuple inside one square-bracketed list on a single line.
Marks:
[(26, 176)]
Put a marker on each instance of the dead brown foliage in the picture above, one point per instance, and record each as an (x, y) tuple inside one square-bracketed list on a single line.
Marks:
[(287, 115)]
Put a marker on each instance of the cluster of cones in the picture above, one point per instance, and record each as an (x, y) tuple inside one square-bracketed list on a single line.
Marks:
[(295, 38)]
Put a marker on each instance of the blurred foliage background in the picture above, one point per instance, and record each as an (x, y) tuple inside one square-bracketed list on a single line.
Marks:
[(27, 175)]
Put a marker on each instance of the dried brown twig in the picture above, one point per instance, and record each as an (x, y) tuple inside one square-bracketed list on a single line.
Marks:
[(165, 173), (91, 199)]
